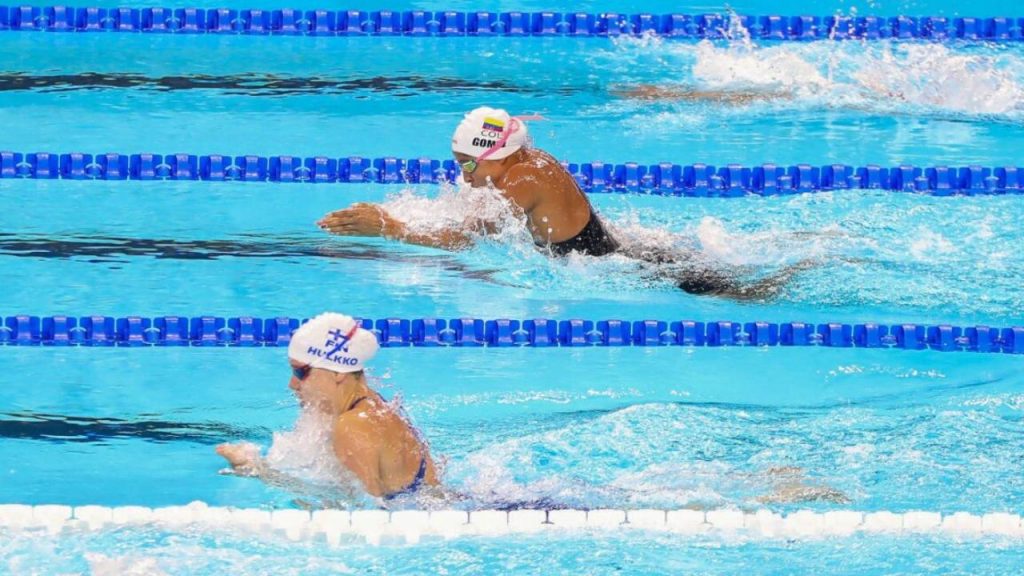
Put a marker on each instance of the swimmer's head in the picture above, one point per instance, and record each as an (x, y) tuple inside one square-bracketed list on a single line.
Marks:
[(487, 135), (333, 342)]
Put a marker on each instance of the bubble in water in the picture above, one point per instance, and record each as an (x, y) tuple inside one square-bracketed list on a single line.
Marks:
[(129, 565)]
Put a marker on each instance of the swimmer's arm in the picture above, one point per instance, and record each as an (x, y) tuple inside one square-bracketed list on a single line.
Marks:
[(365, 219), (445, 239), (686, 94), (355, 446), (245, 460)]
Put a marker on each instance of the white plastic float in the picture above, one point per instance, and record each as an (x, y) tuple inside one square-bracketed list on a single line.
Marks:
[(376, 526)]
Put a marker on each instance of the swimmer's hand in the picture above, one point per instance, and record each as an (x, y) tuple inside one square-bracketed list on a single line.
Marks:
[(243, 457), (362, 219)]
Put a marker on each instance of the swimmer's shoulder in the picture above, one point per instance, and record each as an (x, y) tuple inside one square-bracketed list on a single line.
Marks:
[(538, 169), (523, 183), (521, 171), (358, 422)]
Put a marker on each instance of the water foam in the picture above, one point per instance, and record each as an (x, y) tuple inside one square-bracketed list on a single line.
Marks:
[(304, 464), (306, 448), (877, 76), (457, 206), (632, 457)]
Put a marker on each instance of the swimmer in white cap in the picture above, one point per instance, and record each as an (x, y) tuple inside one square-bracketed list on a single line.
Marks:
[(492, 148), (370, 437)]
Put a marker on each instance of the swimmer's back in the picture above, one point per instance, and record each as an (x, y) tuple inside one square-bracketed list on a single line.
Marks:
[(561, 209), (372, 434)]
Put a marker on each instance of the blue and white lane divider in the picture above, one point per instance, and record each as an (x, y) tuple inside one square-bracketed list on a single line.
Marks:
[(245, 331), (382, 526), (664, 178), (288, 22)]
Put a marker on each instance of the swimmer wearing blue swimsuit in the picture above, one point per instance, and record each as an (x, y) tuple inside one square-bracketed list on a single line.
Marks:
[(370, 438), (419, 480)]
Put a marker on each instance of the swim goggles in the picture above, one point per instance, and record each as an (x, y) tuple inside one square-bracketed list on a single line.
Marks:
[(302, 372), (468, 167)]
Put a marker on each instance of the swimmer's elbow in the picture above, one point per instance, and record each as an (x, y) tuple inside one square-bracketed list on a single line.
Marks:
[(449, 240)]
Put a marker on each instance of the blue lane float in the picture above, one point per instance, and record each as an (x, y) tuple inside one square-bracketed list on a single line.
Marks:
[(664, 178), (247, 331), (445, 23)]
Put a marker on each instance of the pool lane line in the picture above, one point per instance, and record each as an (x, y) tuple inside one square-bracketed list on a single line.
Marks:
[(411, 526), (248, 331), (450, 23), (662, 178)]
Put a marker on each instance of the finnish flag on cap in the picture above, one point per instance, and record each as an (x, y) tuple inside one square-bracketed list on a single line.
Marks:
[(333, 342)]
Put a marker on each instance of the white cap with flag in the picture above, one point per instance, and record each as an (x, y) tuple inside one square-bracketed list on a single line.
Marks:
[(489, 133), (333, 342)]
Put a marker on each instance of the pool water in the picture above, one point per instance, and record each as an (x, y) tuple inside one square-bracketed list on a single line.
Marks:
[(199, 553), (587, 428)]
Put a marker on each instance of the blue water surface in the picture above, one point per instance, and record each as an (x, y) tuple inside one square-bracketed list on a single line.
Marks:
[(588, 428)]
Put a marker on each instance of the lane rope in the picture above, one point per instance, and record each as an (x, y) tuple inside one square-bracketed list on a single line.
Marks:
[(248, 331), (382, 526), (448, 23), (664, 178)]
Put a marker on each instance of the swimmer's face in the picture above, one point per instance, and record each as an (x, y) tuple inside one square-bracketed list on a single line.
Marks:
[(314, 387), (476, 173)]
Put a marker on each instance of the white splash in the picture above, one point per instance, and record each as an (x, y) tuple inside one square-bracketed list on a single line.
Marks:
[(458, 206), (878, 76), (745, 66), (766, 247), (935, 76), (130, 565), (305, 450), (928, 244)]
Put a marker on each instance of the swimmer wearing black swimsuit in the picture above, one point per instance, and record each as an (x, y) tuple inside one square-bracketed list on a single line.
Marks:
[(687, 272), (593, 240)]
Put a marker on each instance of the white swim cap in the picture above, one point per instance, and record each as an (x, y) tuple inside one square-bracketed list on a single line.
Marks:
[(333, 342), (483, 129)]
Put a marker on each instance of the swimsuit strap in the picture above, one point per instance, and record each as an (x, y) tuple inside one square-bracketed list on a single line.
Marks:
[(357, 401), (361, 398)]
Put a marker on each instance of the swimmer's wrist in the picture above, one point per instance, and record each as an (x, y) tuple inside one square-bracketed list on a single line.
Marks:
[(253, 467), (392, 229)]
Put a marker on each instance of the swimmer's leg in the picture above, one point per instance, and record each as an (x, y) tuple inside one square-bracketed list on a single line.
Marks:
[(795, 493), (718, 284), (790, 487)]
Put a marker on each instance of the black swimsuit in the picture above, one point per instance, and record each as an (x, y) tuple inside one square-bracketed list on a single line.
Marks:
[(593, 240)]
